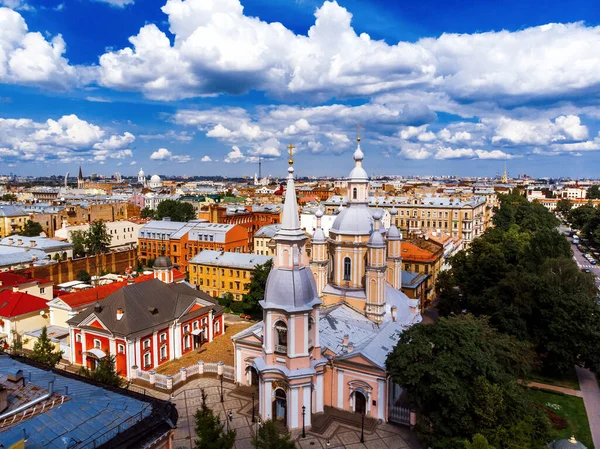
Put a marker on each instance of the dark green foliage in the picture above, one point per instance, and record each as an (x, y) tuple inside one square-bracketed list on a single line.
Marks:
[(146, 212), (593, 192), (210, 432), (84, 276), (564, 206), (580, 216), (175, 210), (237, 307), (31, 229), (587, 218), (479, 442), (8, 197), (256, 288), (78, 242), (97, 238), (226, 300), (44, 350), (268, 437), (521, 274), (105, 372), (461, 377)]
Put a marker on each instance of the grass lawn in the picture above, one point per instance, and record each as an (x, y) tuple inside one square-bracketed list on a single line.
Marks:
[(218, 350), (568, 380), (571, 408)]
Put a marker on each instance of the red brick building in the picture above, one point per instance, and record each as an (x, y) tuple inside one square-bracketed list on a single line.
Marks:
[(146, 324)]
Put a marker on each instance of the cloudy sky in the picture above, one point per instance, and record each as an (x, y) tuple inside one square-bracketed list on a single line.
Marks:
[(203, 87)]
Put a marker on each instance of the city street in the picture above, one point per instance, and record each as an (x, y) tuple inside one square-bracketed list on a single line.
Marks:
[(581, 261)]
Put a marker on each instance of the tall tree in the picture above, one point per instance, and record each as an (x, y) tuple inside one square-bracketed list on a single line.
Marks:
[(44, 350), (210, 432), (97, 238), (461, 376), (31, 229), (78, 242), (564, 206), (593, 193), (84, 276), (175, 210), (268, 437), (105, 372), (146, 212), (256, 287)]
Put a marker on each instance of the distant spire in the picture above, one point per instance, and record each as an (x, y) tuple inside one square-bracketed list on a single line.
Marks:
[(504, 176), (80, 176)]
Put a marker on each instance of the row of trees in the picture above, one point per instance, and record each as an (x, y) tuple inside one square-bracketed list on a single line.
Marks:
[(587, 219), (514, 302), (175, 210)]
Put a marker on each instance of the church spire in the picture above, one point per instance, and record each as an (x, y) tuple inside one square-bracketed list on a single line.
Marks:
[(290, 222)]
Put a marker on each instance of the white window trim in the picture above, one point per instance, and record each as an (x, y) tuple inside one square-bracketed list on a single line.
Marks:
[(121, 348), (163, 337), (146, 344), (97, 344), (77, 338)]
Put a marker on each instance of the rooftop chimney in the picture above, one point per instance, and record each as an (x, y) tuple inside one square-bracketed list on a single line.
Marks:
[(32, 243), (11, 241), (19, 241), (346, 340), (119, 314), (394, 313), (97, 307)]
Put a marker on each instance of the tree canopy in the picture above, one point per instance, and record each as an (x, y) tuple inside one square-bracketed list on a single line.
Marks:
[(8, 197), (31, 229), (256, 288), (78, 242), (268, 437), (210, 432), (44, 350), (461, 377), (564, 206), (105, 372), (521, 274), (146, 212), (97, 238), (175, 210), (587, 218), (593, 193)]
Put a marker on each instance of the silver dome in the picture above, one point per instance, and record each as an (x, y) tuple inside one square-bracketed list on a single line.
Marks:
[(290, 290), (376, 240), (319, 236), (354, 220)]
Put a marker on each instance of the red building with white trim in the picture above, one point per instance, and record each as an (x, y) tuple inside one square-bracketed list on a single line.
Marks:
[(145, 324)]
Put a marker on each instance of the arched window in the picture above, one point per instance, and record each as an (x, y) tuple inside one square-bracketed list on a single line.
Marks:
[(347, 268), (280, 337), (354, 193)]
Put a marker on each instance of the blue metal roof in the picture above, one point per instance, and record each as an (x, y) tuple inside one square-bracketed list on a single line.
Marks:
[(90, 411)]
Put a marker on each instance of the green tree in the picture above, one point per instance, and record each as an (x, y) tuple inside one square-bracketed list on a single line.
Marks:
[(175, 210), (44, 350), (97, 238), (56, 256), (84, 276), (580, 216), (593, 192), (479, 442), (31, 229), (105, 372), (146, 212), (78, 242), (564, 206), (268, 437), (256, 287), (10, 197), (210, 432), (461, 376)]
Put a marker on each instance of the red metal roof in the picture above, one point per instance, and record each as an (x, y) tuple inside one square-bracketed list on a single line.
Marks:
[(8, 279), (83, 297), (14, 304)]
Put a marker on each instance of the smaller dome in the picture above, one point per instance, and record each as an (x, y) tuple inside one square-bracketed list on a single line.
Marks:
[(155, 178), (358, 154), (377, 214), (141, 172), (393, 233), (570, 443), (393, 211), (376, 240), (358, 173), (319, 213), (162, 262), (319, 236)]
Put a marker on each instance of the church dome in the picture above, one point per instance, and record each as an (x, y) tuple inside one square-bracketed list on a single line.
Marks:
[(162, 262), (570, 443), (155, 178), (354, 220), (141, 172)]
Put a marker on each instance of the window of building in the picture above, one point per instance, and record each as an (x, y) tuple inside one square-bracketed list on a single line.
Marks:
[(200, 270), (42, 290), (163, 337), (147, 360), (186, 342), (195, 324), (237, 273), (217, 327), (186, 328), (347, 268), (354, 193), (193, 268), (121, 349), (280, 337), (230, 272), (231, 286), (78, 338), (163, 352), (146, 344), (406, 267), (97, 343)]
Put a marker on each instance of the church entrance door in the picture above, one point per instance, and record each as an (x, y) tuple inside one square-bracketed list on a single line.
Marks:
[(280, 405), (360, 403)]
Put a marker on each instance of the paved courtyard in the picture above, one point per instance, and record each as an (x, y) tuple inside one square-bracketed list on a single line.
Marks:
[(188, 400)]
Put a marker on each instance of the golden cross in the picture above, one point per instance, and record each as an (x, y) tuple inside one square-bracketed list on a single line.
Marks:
[(358, 127), (291, 152)]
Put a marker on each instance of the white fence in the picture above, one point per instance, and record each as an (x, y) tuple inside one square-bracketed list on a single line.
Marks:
[(169, 382)]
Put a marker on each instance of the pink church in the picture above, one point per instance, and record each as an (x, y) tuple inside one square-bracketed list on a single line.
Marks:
[(330, 322)]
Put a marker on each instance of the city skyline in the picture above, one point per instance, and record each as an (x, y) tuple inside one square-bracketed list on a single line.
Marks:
[(201, 87)]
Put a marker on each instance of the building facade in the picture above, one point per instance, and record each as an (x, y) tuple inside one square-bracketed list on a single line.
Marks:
[(145, 325), (12, 219), (220, 272), (123, 233), (319, 348)]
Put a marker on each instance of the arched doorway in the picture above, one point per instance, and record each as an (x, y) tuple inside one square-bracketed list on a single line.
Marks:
[(280, 406), (360, 403), (253, 376)]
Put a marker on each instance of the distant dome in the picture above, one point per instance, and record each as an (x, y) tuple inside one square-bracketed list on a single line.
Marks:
[(570, 443), (141, 172), (163, 262), (155, 178), (355, 220)]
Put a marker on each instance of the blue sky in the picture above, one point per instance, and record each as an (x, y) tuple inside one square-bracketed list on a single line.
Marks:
[(203, 87)]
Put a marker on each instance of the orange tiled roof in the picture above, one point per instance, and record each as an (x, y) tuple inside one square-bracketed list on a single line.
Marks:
[(83, 297), (412, 253)]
